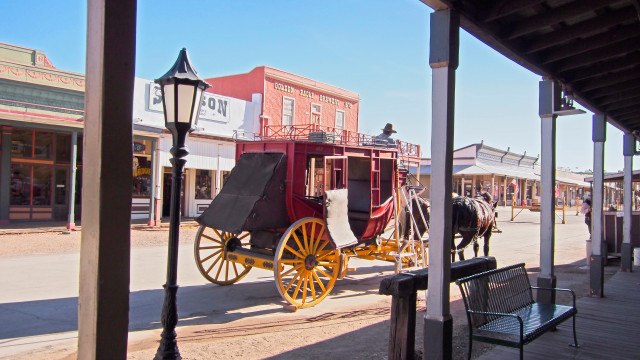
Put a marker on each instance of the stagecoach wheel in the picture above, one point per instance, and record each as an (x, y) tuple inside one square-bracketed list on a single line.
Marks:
[(413, 254), (306, 267), (209, 249)]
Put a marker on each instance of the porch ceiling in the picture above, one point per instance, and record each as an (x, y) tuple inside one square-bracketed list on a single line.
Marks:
[(590, 46)]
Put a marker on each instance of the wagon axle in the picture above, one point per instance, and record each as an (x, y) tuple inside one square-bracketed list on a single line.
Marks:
[(310, 262)]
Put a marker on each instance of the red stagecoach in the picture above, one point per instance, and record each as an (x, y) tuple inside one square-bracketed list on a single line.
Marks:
[(300, 202)]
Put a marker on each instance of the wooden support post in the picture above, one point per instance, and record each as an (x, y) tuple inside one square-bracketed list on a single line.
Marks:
[(103, 302), (549, 95), (443, 60)]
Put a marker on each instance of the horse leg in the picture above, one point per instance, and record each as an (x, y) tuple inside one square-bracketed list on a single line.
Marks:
[(463, 244), (476, 247), (487, 236)]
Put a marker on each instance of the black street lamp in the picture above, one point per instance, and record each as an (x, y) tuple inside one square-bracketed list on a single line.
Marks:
[(182, 91)]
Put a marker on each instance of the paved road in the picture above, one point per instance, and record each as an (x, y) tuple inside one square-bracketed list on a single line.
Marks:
[(39, 296)]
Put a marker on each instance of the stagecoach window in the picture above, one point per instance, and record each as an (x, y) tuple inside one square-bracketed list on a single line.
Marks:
[(203, 184), (315, 176)]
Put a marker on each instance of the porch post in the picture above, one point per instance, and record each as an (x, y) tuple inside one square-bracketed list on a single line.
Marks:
[(103, 302), (154, 180), (443, 59), (5, 175), (71, 222), (596, 262), (549, 94), (628, 150)]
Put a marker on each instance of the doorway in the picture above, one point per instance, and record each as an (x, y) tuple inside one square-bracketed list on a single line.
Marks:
[(166, 193)]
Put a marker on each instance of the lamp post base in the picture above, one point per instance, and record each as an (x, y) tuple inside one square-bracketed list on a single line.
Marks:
[(168, 349)]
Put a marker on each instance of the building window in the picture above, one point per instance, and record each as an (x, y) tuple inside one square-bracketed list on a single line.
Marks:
[(287, 111), (203, 184), (316, 112), (224, 175), (339, 120), (141, 168)]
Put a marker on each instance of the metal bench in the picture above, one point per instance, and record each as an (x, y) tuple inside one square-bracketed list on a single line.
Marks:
[(501, 310)]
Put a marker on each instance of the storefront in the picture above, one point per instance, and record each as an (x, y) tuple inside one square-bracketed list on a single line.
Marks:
[(40, 173), (211, 146)]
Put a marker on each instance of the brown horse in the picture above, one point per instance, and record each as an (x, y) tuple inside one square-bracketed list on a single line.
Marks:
[(420, 212), (472, 218)]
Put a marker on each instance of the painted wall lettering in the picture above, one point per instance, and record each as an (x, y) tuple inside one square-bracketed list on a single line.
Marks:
[(213, 108), (283, 87)]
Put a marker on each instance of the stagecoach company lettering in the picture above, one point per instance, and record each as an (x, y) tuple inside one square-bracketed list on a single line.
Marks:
[(283, 87), (214, 107), (310, 94)]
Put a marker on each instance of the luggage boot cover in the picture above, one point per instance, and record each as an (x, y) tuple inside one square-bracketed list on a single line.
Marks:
[(253, 196)]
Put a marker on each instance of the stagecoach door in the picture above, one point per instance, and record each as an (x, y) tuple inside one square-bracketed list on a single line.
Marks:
[(335, 172)]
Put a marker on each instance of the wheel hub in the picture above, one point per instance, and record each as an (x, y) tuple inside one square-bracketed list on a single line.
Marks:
[(310, 262), (233, 244)]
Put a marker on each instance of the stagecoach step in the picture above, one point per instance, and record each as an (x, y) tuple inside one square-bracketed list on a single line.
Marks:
[(251, 258)]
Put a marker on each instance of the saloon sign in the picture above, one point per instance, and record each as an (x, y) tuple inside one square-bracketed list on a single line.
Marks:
[(214, 108)]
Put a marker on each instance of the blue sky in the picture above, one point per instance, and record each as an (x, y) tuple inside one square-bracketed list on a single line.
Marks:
[(377, 48)]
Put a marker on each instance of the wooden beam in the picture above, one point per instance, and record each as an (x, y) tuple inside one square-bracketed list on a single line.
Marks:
[(606, 67), (620, 97), (623, 86), (586, 44), (508, 7), (555, 16), (585, 28), (591, 57), (103, 303), (606, 81)]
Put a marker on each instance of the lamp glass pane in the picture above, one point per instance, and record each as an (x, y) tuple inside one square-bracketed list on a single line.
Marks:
[(196, 111), (185, 102), (169, 102)]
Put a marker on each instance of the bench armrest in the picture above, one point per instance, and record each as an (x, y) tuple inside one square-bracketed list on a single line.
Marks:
[(573, 294)]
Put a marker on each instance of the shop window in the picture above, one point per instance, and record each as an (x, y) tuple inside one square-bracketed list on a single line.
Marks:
[(203, 184), (20, 184), (224, 175), (287, 111), (43, 148), (22, 143), (42, 185), (141, 176), (63, 149)]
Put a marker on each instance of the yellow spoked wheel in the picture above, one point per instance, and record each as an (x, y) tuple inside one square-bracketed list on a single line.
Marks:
[(209, 250), (413, 254), (306, 267)]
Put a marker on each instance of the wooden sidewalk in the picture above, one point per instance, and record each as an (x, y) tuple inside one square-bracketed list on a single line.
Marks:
[(607, 328)]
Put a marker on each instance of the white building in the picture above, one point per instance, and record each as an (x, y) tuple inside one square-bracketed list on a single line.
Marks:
[(211, 150)]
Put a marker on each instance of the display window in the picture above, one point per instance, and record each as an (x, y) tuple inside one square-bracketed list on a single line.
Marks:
[(141, 168), (203, 184)]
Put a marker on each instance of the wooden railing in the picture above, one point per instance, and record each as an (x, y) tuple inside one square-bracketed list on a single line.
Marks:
[(404, 287)]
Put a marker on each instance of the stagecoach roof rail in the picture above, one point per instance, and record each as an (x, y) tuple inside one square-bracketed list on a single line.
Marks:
[(301, 132)]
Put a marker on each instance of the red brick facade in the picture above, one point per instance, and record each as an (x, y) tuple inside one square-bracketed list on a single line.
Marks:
[(310, 99)]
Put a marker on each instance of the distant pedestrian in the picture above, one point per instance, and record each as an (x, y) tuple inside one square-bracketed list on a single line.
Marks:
[(586, 210)]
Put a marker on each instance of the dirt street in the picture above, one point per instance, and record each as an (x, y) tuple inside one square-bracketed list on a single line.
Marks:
[(353, 325)]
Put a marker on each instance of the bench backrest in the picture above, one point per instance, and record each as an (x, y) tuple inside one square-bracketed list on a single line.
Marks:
[(502, 290)]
